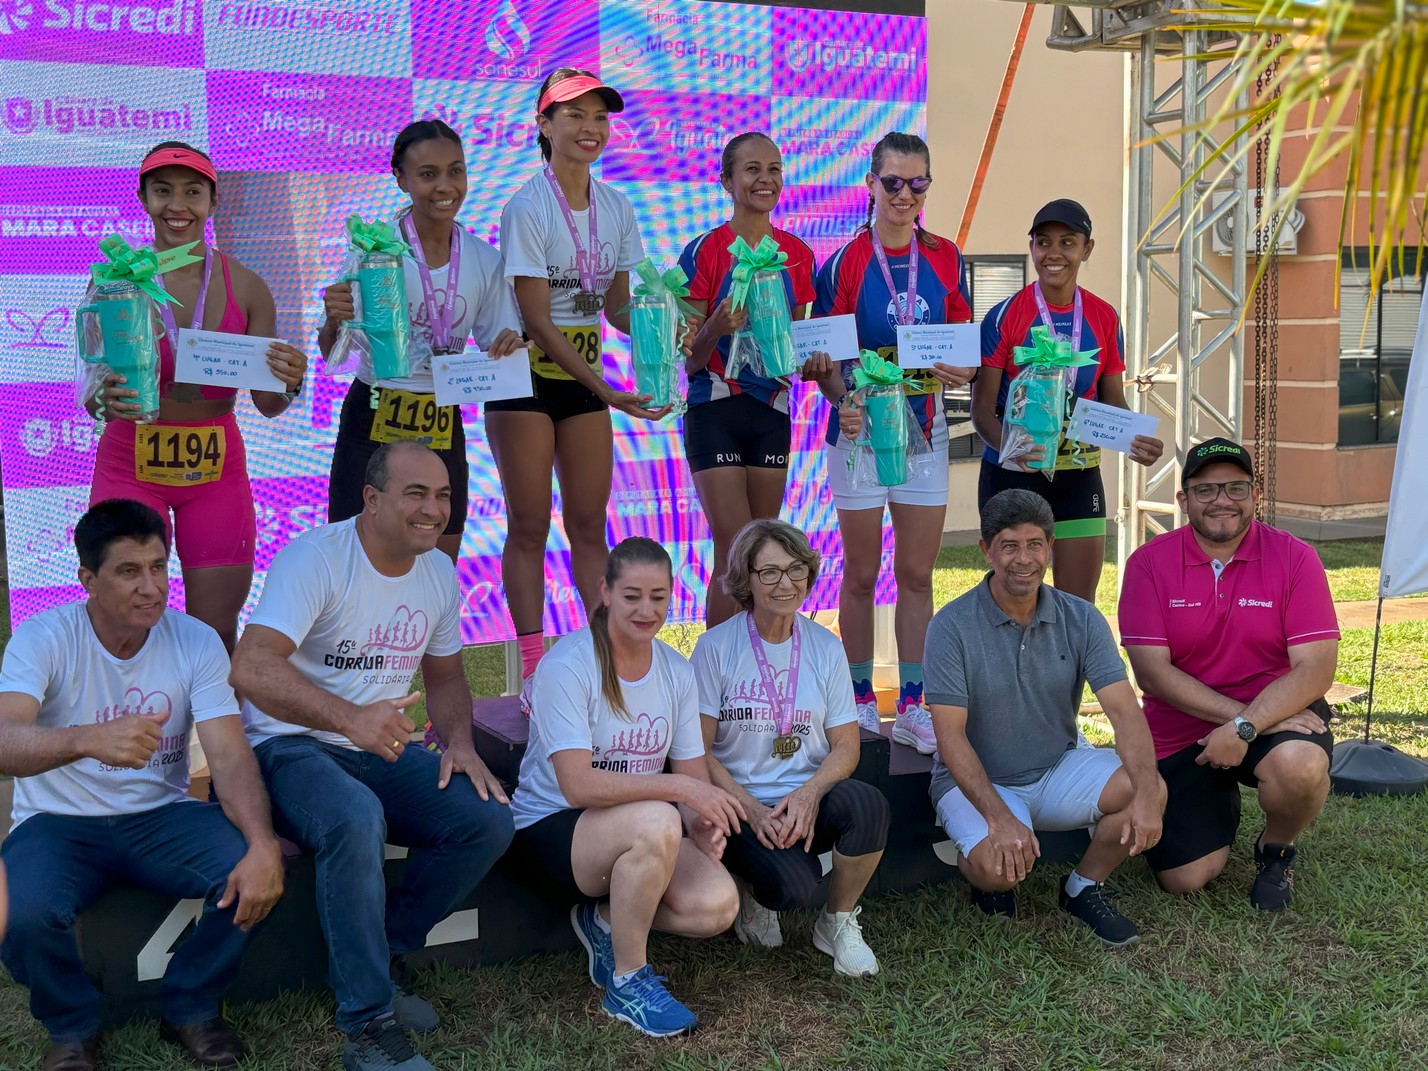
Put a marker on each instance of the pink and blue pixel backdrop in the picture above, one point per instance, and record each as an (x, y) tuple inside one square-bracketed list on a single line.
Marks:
[(298, 103)]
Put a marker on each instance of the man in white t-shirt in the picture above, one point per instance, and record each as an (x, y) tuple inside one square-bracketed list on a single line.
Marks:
[(97, 699), (349, 612)]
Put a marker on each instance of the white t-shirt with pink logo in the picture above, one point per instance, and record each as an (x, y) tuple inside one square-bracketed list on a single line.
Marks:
[(360, 635), (55, 658), (569, 712), (731, 690)]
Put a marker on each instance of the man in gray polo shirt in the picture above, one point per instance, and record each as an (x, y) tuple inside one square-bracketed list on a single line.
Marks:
[(1004, 665)]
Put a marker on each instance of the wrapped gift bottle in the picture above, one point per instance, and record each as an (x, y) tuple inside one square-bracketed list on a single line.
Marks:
[(120, 317)]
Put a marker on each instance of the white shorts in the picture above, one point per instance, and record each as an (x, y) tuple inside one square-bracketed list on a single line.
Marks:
[(1066, 797), (927, 490)]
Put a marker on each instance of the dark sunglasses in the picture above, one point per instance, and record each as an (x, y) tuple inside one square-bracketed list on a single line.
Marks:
[(895, 183)]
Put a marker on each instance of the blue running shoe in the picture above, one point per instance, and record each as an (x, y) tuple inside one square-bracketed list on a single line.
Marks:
[(645, 1004), (596, 940)]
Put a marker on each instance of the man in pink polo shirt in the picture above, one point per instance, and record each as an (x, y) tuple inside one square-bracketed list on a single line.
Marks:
[(1231, 632)]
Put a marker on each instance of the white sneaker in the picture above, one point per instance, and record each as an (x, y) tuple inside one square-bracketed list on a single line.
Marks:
[(841, 937), (755, 924), (868, 716), (913, 728)]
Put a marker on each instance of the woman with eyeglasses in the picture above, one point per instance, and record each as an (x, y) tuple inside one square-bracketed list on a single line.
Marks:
[(1060, 244), (781, 735), (893, 272)]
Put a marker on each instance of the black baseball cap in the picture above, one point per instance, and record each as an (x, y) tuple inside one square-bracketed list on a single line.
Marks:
[(1066, 211), (1214, 452)]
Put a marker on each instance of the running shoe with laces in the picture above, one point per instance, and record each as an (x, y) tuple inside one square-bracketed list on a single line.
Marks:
[(995, 905), (868, 714), (913, 726), (382, 1046), (599, 949), (645, 1004), (841, 937), (412, 1012), (1273, 888), (755, 924), (1094, 907)]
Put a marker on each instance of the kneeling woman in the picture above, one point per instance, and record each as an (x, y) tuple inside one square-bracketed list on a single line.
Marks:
[(598, 819), (785, 752)]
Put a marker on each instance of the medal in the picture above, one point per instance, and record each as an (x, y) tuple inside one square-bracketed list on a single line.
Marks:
[(588, 300), (588, 303), (438, 319), (785, 743)]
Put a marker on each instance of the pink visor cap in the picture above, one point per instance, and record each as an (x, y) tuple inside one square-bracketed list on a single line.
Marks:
[(178, 158), (577, 86)]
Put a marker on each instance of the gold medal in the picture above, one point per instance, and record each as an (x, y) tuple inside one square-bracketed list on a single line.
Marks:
[(588, 303), (785, 746)]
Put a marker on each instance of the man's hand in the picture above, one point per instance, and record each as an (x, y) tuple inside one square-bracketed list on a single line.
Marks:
[(1014, 847), (1142, 826), (463, 759), (1224, 749), (256, 883), (797, 814), (129, 741), (1306, 722), (714, 804), (382, 728), (708, 837)]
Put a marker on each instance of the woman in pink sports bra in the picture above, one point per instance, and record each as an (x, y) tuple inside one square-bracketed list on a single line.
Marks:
[(191, 462)]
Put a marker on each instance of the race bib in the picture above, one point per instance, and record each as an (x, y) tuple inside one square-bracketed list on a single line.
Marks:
[(916, 380), (402, 416), (179, 456), (586, 341)]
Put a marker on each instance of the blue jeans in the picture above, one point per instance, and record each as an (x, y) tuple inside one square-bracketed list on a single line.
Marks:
[(343, 806), (59, 865)]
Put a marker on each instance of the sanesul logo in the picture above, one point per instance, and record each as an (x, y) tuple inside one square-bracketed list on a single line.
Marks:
[(159, 33), (310, 36), (521, 40)]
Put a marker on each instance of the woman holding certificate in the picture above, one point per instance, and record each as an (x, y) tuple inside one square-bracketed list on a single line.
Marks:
[(569, 243), (1060, 244), (781, 731), (892, 273), (455, 288), (190, 460)]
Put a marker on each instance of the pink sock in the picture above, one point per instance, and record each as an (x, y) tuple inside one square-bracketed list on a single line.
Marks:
[(532, 646)]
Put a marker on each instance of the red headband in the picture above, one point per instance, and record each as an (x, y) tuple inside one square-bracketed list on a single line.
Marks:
[(577, 86), (179, 158)]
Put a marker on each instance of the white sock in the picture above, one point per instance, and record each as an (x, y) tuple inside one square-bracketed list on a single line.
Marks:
[(1076, 884), (619, 980), (600, 920)]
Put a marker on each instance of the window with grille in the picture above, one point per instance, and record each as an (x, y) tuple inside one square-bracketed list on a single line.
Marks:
[(1375, 345), (991, 279)]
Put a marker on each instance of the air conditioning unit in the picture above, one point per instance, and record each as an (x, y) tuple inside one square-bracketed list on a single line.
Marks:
[(1222, 235)]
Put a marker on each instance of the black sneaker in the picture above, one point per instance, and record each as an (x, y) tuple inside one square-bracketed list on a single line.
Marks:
[(996, 905), (1093, 906), (382, 1046), (412, 1012), (1273, 888)]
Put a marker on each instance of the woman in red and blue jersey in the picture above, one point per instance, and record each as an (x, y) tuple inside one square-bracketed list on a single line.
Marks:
[(1060, 244), (737, 431), (892, 272)]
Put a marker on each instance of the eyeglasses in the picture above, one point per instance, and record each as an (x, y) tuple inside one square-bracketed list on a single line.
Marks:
[(771, 575), (1235, 491), (895, 183)]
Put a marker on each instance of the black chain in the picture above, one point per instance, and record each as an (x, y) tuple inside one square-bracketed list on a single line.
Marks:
[(1266, 313)]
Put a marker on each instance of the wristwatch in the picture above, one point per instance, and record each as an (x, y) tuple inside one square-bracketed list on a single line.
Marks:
[(1245, 730)]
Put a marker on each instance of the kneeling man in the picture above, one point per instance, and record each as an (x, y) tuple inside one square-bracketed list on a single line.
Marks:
[(1231, 632), (1005, 666), (96, 702)]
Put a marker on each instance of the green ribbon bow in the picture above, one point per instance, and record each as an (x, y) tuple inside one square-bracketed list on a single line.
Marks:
[(124, 263), (766, 256), (376, 237), (673, 282), (872, 369), (1048, 351)]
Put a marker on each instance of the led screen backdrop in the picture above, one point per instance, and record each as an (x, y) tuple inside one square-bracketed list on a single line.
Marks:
[(298, 104)]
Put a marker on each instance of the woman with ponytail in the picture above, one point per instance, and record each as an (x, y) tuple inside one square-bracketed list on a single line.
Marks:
[(893, 272), (597, 819)]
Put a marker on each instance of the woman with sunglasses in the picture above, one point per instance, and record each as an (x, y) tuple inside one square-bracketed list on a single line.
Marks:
[(569, 242), (781, 733), (737, 432), (892, 272), (1060, 244)]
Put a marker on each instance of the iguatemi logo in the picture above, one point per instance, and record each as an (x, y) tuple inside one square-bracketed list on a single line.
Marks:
[(68, 114), (802, 53), (15, 17), (638, 748), (507, 34)]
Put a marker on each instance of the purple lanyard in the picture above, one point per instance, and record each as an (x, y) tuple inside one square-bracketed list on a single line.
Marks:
[(783, 715), (906, 309), (440, 322), (1045, 311), (586, 258), (170, 327)]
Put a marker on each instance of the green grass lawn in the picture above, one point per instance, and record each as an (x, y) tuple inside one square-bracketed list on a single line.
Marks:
[(1337, 983)]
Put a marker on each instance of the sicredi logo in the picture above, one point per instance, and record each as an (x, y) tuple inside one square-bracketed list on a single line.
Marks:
[(133, 34), (1220, 448), (179, 18), (15, 17), (1267, 604)]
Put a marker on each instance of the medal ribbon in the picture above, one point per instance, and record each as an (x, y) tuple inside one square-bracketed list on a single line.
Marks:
[(439, 320), (783, 716), (586, 259), (170, 326), (1044, 311), (906, 305)]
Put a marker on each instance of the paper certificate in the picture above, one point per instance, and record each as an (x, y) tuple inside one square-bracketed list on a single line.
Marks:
[(218, 359), (923, 345), (473, 376), (836, 336), (1098, 424)]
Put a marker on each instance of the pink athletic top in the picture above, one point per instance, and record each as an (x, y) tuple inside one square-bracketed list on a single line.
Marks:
[(1231, 631), (234, 322)]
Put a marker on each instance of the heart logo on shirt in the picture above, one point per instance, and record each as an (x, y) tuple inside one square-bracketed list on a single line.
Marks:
[(138, 701), (406, 631), (647, 736)]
